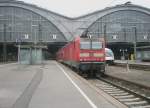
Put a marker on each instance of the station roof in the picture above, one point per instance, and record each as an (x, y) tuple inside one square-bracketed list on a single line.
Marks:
[(72, 27)]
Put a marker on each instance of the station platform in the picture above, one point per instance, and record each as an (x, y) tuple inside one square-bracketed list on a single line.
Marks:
[(60, 88), (132, 62), (17, 83), (139, 65), (51, 85), (139, 77)]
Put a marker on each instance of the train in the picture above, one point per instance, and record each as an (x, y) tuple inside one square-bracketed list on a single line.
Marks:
[(87, 55), (109, 56)]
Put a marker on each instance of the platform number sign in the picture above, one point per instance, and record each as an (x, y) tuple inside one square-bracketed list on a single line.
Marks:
[(26, 36), (145, 37), (90, 36), (114, 36), (54, 36)]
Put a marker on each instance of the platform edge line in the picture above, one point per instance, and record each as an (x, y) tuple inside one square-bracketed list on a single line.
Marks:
[(77, 87)]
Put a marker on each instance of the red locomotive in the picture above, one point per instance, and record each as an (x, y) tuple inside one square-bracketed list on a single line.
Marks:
[(85, 54)]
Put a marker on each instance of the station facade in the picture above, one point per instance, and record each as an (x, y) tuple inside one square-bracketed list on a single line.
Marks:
[(124, 27)]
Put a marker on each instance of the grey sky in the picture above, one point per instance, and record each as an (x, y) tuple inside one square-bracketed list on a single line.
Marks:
[(74, 8)]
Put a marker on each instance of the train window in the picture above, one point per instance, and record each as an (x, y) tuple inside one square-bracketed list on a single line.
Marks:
[(109, 54), (85, 45), (97, 45)]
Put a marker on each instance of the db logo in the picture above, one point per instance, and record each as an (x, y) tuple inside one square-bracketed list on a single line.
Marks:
[(91, 54)]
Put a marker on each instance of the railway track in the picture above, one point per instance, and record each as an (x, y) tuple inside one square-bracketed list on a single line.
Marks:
[(130, 94), (125, 95)]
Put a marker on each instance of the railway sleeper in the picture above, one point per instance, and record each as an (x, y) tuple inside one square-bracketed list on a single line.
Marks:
[(129, 99), (123, 97), (136, 103), (119, 94), (143, 106), (111, 90)]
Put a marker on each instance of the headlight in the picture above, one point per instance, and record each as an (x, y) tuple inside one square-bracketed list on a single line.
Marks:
[(98, 55), (84, 54)]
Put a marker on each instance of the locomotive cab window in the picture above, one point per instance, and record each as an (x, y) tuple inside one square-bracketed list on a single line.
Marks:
[(97, 45), (85, 45)]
